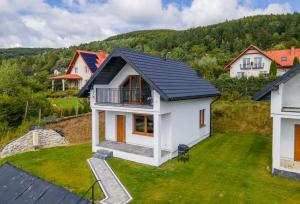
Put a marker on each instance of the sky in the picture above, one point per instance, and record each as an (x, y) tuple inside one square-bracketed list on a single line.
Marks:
[(62, 23)]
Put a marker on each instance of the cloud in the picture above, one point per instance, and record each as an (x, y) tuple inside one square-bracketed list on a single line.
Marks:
[(35, 23)]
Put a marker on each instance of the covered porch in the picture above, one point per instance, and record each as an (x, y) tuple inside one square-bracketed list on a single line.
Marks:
[(120, 138), (286, 144), (68, 81)]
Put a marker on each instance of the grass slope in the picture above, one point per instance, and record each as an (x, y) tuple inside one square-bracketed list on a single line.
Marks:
[(66, 103), (226, 168)]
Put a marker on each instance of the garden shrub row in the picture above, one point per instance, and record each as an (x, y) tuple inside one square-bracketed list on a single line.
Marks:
[(234, 88)]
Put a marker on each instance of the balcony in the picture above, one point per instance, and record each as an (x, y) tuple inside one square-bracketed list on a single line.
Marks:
[(245, 66), (252, 66), (258, 66), (124, 97)]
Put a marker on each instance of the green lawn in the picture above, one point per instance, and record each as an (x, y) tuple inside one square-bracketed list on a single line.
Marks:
[(65, 166), (66, 103), (226, 168)]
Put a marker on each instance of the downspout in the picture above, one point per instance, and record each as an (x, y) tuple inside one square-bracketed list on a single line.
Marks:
[(210, 122)]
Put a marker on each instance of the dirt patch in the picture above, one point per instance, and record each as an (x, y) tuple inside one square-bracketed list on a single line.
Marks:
[(79, 129)]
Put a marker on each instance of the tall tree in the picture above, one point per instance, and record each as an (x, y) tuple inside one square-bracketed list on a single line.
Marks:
[(296, 61), (273, 69)]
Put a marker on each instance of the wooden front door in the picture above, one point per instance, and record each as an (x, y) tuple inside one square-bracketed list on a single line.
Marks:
[(297, 143), (120, 128)]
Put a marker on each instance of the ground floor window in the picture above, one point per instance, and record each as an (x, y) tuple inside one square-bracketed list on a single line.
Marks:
[(202, 118), (143, 124)]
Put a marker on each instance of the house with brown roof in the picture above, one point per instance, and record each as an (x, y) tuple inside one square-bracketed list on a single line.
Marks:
[(81, 68), (255, 62)]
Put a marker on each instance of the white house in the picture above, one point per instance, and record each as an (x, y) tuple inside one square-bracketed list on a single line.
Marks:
[(251, 62), (81, 68), (255, 62), (285, 111), (151, 104)]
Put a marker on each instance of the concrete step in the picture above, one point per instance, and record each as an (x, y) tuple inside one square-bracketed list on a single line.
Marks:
[(103, 154)]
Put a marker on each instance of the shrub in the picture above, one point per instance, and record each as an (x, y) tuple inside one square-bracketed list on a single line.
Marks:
[(73, 111), (296, 61), (80, 110), (273, 69)]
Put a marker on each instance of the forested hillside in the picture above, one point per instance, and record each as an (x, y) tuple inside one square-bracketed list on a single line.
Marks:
[(207, 49), (6, 53), (24, 72)]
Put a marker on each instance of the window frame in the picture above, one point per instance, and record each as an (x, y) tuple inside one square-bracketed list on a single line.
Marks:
[(284, 58), (202, 118), (145, 133), (245, 64)]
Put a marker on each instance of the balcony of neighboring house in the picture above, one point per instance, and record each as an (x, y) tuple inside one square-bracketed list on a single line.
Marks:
[(134, 92), (245, 66), (258, 65)]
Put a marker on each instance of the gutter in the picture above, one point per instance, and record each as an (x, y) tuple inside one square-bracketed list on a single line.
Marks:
[(210, 122)]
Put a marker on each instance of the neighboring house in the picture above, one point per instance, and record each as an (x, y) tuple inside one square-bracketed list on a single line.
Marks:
[(81, 68), (151, 104), (285, 111), (255, 62)]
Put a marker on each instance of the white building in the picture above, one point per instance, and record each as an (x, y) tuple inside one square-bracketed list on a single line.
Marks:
[(285, 111), (151, 105), (251, 62), (254, 62), (81, 68)]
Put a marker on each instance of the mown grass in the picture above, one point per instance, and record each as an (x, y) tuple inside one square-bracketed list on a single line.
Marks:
[(65, 166), (225, 168), (66, 103)]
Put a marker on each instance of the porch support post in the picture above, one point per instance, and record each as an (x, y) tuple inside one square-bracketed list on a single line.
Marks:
[(63, 84), (95, 129), (52, 85), (157, 139), (276, 143)]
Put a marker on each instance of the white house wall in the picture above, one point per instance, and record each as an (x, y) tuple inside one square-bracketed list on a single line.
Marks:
[(81, 67), (130, 138), (291, 88), (287, 138), (184, 121), (235, 67)]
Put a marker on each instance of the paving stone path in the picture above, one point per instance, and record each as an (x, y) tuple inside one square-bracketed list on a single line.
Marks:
[(115, 192)]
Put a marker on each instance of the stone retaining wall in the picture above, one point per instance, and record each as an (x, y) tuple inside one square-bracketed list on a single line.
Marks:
[(46, 138)]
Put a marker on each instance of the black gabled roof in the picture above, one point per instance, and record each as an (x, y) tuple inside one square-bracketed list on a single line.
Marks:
[(173, 80), (265, 93), (18, 186)]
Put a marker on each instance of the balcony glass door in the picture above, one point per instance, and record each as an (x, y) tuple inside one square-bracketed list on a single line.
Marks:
[(131, 90)]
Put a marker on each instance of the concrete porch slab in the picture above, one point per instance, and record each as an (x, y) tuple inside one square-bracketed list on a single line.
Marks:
[(129, 148)]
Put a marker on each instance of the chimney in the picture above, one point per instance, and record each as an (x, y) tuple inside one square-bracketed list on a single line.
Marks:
[(293, 51)]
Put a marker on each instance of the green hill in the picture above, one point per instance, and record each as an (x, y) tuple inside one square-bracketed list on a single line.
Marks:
[(17, 52), (215, 45)]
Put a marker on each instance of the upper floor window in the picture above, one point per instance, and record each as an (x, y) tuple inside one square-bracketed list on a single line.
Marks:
[(246, 63), (76, 70), (257, 62), (284, 58), (86, 70)]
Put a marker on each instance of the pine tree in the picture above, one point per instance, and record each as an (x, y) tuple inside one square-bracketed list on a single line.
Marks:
[(273, 69), (296, 61)]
